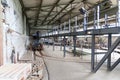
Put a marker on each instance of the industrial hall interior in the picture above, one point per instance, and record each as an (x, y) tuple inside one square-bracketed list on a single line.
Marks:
[(59, 39)]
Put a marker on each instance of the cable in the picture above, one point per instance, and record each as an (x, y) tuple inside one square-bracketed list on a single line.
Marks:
[(45, 65), (46, 68)]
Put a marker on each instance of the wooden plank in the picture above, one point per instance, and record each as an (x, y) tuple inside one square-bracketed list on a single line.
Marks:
[(15, 71)]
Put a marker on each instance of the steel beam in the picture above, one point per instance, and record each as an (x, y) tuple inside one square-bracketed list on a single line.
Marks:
[(85, 22), (49, 5), (98, 16), (64, 47), (61, 39), (115, 64), (100, 52), (109, 45), (53, 44), (110, 11), (113, 30), (115, 44), (37, 17), (61, 45), (93, 53), (23, 7), (41, 28), (61, 11), (65, 14), (74, 50), (50, 11), (48, 37)]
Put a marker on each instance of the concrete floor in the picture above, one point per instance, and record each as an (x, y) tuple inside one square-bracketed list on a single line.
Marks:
[(74, 68)]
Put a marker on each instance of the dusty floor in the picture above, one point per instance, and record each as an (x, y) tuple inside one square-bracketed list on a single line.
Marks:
[(74, 68)]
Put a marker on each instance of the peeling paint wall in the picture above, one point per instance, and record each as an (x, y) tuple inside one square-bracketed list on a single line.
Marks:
[(1, 37), (14, 31)]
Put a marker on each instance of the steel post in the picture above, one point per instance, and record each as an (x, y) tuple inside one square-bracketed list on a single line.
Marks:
[(69, 25), (74, 51), (93, 53), (98, 16), (61, 39), (48, 37), (85, 22), (53, 45), (106, 20), (113, 46), (109, 45), (64, 47), (115, 64), (94, 18)]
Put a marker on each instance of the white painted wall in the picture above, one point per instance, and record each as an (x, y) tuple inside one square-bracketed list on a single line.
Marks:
[(14, 33)]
